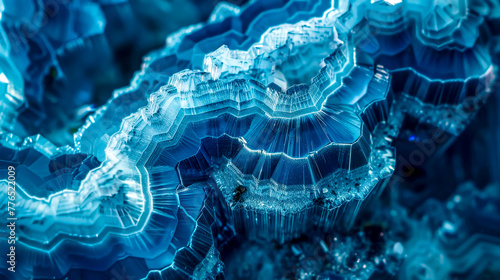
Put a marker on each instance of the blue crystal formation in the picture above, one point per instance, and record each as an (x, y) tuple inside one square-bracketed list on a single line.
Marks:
[(46, 38), (272, 121)]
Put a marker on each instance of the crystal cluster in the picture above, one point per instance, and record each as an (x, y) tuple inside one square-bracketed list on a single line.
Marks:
[(270, 130), (43, 40)]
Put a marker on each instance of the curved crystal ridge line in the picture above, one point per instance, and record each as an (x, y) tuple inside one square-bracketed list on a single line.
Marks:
[(44, 36), (200, 259), (157, 243), (265, 55), (440, 24), (174, 41), (45, 174), (442, 111), (166, 156), (222, 11), (76, 201), (471, 59), (400, 41), (111, 247), (180, 54), (262, 175), (117, 168), (163, 111), (241, 31), (285, 139), (446, 92), (471, 62), (50, 37), (443, 69)]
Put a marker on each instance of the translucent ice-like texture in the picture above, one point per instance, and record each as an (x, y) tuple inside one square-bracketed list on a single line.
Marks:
[(186, 49), (46, 172), (71, 54), (200, 259), (46, 37), (440, 64), (130, 206), (274, 118)]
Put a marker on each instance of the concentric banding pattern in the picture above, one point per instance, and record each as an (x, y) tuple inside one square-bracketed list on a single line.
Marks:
[(285, 112)]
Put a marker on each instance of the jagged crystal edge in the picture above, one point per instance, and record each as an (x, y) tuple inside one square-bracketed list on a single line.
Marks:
[(44, 37), (194, 89), (183, 50), (200, 258), (100, 174)]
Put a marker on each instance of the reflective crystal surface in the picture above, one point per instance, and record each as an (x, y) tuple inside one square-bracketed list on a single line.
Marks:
[(272, 140)]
